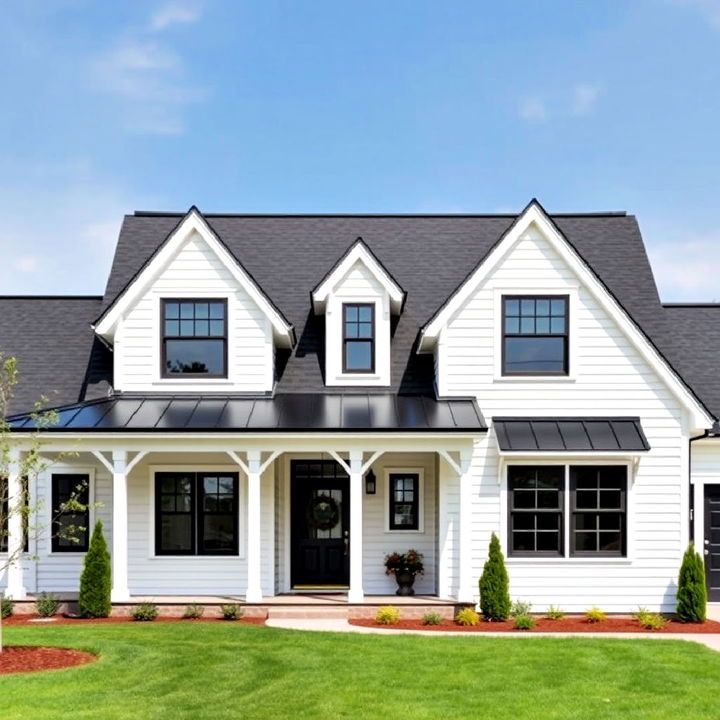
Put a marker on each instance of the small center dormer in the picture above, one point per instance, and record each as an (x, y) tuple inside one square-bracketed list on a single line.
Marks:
[(358, 298)]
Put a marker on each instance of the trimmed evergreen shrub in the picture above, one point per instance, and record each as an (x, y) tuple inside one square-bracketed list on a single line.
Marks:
[(46, 604), (691, 598), (6, 606), (231, 611), (494, 585), (95, 583)]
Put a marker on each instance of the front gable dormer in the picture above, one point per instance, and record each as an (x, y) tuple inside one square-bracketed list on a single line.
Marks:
[(358, 298), (193, 319)]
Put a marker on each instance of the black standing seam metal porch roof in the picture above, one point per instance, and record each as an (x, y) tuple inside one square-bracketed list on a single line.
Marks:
[(301, 412), (570, 434)]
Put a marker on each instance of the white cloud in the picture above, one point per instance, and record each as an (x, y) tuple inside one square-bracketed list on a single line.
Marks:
[(532, 108), (174, 14), (708, 9), (26, 263), (689, 269), (584, 98)]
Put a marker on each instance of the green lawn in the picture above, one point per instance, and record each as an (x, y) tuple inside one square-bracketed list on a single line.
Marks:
[(208, 670)]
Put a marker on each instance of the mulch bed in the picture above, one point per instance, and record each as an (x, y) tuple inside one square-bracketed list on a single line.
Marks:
[(63, 620), (543, 625), (23, 659)]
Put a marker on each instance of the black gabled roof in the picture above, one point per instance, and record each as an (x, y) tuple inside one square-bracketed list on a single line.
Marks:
[(296, 412), (570, 434), (56, 351), (428, 255)]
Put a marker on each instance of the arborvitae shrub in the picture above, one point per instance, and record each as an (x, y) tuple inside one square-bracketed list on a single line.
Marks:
[(494, 585), (691, 599), (95, 583)]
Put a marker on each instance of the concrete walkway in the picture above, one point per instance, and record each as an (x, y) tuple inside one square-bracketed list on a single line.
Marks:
[(340, 625)]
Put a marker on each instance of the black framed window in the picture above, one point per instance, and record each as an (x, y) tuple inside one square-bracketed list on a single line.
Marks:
[(535, 335), (5, 514), (70, 527), (194, 338), (196, 513), (535, 502), (358, 337), (598, 498), (404, 510)]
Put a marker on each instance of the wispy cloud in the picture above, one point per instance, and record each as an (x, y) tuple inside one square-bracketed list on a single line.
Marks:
[(708, 9), (174, 14), (148, 78), (584, 97), (688, 269), (532, 108)]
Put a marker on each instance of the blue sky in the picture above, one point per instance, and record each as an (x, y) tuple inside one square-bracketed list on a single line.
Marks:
[(326, 106)]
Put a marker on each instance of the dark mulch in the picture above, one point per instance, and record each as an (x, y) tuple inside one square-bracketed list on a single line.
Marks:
[(568, 624), (63, 620), (23, 659)]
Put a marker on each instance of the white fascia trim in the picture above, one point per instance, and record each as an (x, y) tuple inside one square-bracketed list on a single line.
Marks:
[(534, 214), (193, 222), (359, 252)]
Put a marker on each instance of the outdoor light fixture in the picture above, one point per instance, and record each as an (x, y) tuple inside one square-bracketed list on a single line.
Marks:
[(370, 483)]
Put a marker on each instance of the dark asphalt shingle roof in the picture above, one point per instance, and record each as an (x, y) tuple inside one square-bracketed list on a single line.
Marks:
[(54, 345)]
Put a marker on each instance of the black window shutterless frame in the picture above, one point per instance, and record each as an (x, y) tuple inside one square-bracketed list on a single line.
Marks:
[(404, 501), (64, 487), (188, 322), (186, 500), (359, 332), (533, 321)]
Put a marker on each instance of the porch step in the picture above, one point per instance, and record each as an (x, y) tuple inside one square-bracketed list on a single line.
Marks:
[(323, 612)]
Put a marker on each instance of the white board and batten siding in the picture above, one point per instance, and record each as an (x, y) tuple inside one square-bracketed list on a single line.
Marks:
[(607, 377), (195, 272)]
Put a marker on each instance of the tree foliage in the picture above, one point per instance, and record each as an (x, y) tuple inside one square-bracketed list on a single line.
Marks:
[(691, 599), (95, 583), (495, 584)]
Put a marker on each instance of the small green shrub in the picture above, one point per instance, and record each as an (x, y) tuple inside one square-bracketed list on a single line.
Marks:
[(387, 615), (232, 611), (691, 597), (554, 613), (46, 604), (494, 584), (431, 618), (649, 620), (6, 607), (95, 583), (523, 622), (467, 616), (594, 615), (144, 612), (519, 607), (193, 612)]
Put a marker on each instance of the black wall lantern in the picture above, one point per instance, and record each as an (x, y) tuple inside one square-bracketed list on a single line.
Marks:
[(370, 483)]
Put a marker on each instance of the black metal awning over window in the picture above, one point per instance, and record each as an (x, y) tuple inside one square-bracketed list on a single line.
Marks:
[(570, 434)]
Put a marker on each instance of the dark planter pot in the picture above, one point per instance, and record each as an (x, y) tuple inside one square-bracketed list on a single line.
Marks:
[(405, 582)]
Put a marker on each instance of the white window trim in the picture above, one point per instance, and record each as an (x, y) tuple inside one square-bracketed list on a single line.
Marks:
[(566, 558), (242, 509), (420, 472), (88, 470), (572, 291)]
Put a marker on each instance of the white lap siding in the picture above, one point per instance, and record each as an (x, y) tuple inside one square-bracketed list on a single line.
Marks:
[(607, 377)]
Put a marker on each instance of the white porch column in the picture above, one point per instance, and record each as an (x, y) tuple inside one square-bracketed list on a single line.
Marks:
[(254, 584), (355, 593), (15, 576), (120, 591), (466, 591)]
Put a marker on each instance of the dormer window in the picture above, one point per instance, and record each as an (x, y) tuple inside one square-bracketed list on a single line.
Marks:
[(194, 338), (358, 338)]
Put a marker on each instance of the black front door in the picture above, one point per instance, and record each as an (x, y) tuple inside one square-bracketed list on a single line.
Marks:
[(711, 546), (320, 524)]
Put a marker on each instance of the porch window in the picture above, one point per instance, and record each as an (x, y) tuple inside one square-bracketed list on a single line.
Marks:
[(358, 338), (5, 515), (404, 495), (594, 518), (70, 527), (194, 338), (535, 335), (196, 513)]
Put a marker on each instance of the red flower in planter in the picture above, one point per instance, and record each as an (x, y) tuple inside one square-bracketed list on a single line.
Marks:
[(410, 562)]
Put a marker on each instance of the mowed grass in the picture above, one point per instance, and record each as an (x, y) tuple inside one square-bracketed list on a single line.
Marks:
[(226, 670)]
